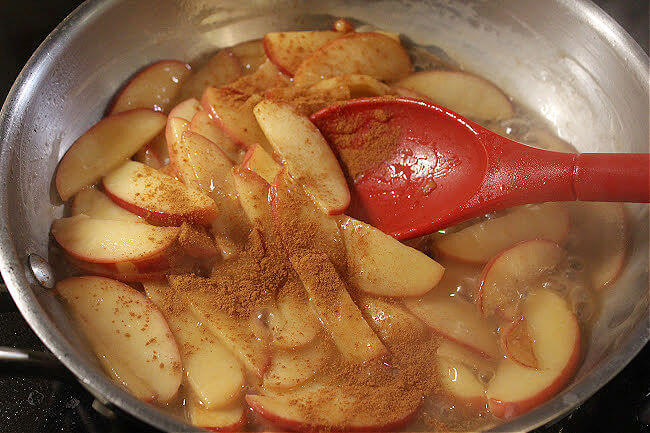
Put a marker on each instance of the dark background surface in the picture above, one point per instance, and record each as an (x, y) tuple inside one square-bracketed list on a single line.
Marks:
[(30, 404)]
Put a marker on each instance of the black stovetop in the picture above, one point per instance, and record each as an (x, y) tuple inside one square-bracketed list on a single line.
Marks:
[(44, 404)]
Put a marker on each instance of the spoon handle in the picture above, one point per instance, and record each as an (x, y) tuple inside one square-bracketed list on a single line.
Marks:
[(612, 177)]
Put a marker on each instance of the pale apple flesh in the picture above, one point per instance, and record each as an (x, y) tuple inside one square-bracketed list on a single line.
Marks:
[(95, 204), (307, 156), (156, 197), (215, 376), (186, 109), (464, 93), (482, 241), (293, 367), (227, 419), (516, 389), (250, 54), (220, 69), (258, 160), (380, 265), (461, 383), (202, 124), (510, 275), (104, 147), (288, 49), (391, 321), (128, 334), (155, 87)]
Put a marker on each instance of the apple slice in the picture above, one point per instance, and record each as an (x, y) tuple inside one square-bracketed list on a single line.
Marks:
[(213, 373), (555, 332), (461, 383), (329, 409), (292, 368), (308, 100), (175, 128), (233, 112), (128, 272), (155, 87), (227, 419), (457, 320), (156, 197), (292, 322), (186, 109), (482, 241), (511, 274), (381, 265), (104, 147), (220, 69), (200, 164), (371, 54), (303, 227), (196, 243), (330, 300), (464, 93), (288, 49), (250, 55), (112, 241), (169, 170), (202, 124), (253, 193), (518, 345), (95, 204), (154, 154), (360, 86), (599, 239), (236, 334), (482, 367), (391, 321), (259, 161), (267, 76), (304, 151), (128, 334)]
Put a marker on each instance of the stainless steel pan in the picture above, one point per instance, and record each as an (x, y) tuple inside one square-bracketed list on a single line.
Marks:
[(564, 59)]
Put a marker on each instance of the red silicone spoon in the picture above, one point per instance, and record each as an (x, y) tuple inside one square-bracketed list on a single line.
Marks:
[(444, 168)]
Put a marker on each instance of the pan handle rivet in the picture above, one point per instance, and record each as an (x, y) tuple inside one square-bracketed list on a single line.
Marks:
[(42, 271)]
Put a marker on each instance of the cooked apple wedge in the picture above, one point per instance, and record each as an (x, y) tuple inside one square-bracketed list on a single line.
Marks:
[(461, 383), (253, 192), (236, 334), (507, 278), (154, 154), (95, 204), (381, 265), (175, 128), (464, 93), (202, 124), (555, 332), (233, 112), (293, 367), (330, 409), (360, 86), (390, 320), (267, 76), (600, 239), (371, 54), (156, 197), (227, 419), (112, 241), (303, 227), (123, 271), (330, 300), (259, 161), (155, 87), (482, 241), (250, 55), (220, 69), (213, 373), (104, 147), (292, 322), (200, 164), (186, 110), (517, 344), (457, 320), (128, 334), (288, 49), (306, 154), (481, 366)]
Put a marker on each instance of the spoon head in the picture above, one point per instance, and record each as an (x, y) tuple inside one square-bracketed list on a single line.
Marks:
[(411, 165)]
